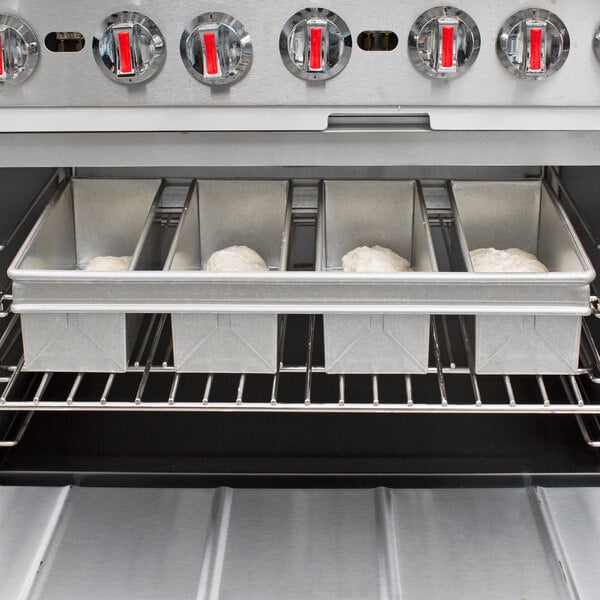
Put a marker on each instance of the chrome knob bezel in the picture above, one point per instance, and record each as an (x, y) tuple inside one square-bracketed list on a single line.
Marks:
[(24, 31), (208, 22), (597, 43), (330, 19), (555, 31), (104, 50), (421, 59)]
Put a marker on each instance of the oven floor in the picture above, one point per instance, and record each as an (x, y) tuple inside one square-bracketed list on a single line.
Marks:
[(214, 449), (530, 543)]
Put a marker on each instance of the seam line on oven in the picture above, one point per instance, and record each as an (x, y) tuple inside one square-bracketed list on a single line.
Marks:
[(389, 561), (549, 536), (216, 543), (35, 575)]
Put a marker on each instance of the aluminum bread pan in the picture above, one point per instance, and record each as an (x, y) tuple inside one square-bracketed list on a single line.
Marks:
[(87, 218), (525, 215), (525, 345), (220, 214), (331, 292), (367, 213)]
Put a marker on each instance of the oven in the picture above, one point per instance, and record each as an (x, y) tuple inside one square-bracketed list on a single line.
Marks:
[(304, 431)]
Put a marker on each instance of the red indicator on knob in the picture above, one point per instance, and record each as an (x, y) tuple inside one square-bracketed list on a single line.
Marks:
[(210, 49), (125, 62), (1, 58), (316, 42), (535, 49), (447, 47)]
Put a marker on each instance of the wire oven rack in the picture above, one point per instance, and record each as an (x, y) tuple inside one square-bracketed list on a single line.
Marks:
[(300, 383), (151, 383)]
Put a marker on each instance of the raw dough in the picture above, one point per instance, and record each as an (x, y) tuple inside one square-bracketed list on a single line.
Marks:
[(240, 259), (374, 260), (109, 263), (513, 260)]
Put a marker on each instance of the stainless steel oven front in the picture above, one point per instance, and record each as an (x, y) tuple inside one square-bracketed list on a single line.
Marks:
[(303, 430)]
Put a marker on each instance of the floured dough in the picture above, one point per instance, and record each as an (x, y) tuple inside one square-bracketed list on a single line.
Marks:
[(374, 260), (109, 263), (240, 259), (513, 260)]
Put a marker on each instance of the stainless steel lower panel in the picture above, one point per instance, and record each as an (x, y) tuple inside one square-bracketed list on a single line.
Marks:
[(534, 543), (28, 518)]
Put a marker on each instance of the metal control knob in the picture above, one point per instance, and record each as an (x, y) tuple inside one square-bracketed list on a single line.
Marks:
[(597, 43), (315, 44), (444, 42), (19, 50), (533, 44), (129, 48), (216, 49)]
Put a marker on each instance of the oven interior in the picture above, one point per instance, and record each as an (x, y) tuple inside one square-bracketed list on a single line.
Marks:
[(300, 419), (299, 483)]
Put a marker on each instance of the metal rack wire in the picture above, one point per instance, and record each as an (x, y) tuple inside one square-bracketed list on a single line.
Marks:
[(151, 383)]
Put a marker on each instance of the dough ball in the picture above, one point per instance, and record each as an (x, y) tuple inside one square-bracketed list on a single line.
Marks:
[(109, 263), (239, 259), (513, 260), (374, 260)]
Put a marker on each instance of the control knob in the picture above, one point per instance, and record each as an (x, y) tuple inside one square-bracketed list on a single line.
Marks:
[(129, 48), (315, 44), (444, 42), (19, 50), (533, 44), (216, 49)]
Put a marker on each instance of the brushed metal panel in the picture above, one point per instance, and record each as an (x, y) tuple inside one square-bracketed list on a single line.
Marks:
[(371, 78), (222, 343), (575, 516), (109, 215), (367, 213), (28, 516), (376, 343), (302, 149), (298, 118), (90, 218), (78, 342), (292, 292), (294, 544), (484, 543), (300, 544), (500, 214), (529, 344), (248, 213), (127, 544)]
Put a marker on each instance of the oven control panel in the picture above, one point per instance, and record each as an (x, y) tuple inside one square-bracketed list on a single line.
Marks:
[(386, 56)]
